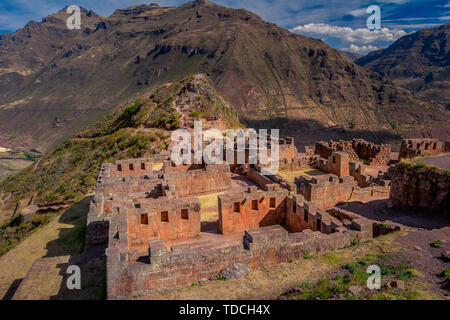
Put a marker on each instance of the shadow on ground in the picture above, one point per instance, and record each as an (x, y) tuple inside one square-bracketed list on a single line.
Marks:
[(68, 249), (378, 210)]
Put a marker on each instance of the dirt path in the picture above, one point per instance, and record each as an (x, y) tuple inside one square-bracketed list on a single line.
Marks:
[(439, 161)]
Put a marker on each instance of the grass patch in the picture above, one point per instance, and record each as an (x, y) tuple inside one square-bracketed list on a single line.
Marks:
[(307, 255), (436, 243), (356, 275), (445, 273)]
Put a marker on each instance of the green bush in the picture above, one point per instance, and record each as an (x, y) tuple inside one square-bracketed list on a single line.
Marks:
[(436, 243), (420, 165)]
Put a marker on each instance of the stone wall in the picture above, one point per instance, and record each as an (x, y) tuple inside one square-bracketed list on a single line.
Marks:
[(326, 190), (251, 209), (128, 274), (357, 149), (163, 219), (132, 167), (420, 189), (214, 178), (411, 148)]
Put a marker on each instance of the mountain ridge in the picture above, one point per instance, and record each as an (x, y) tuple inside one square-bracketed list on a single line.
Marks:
[(419, 62), (266, 72)]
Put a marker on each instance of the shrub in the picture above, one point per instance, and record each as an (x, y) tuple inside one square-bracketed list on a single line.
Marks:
[(420, 165), (131, 110), (436, 243), (445, 273), (307, 255)]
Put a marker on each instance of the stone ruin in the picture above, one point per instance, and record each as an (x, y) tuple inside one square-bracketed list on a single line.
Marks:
[(411, 148), (150, 219), (147, 215)]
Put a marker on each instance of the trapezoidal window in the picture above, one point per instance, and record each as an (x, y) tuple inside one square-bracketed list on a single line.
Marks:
[(334, 159), (273, 202), (184, 214), (294, 208), (237, 207), (164, 216), (131, 166), (305, 217), (144, 219), (143, 166), (254, 204), (434, 146), (119, 167)]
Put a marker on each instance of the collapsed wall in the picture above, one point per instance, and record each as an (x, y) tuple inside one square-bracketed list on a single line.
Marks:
[(357, 149), (420, 189)]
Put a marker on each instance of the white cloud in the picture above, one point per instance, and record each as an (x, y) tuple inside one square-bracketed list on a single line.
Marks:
[(359, 12), (444, 18), (349, 35), (361, 49)]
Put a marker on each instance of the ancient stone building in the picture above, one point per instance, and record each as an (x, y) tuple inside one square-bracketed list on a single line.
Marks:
[(411, 148), (151, 220)]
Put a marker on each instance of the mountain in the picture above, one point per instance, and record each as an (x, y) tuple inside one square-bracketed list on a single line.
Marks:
[(55, 81), (351, 55), (419, 62)]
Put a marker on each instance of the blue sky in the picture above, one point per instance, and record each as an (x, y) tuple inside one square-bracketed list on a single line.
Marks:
[(340, 23)]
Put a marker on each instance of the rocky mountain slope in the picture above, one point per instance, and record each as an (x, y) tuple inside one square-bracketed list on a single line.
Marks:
[(55, 81), (419, 62), (136, 130)]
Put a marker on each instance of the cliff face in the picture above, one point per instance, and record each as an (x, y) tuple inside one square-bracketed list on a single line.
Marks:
[(420, 189), (272, 77)]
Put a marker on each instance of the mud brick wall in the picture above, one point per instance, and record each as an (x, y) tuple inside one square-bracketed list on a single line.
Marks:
[(326, 190), (420, 189), (411, 148), (214, 178), (252, 209), (356, 149), (188, 263), (163, 220)]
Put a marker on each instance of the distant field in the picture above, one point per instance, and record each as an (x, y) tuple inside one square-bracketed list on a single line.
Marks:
[(11, 166)]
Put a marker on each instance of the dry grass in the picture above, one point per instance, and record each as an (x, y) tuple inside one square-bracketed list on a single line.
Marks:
[(209, 207), (157, 166), (291, 175), (270, 282), (46, 241)]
